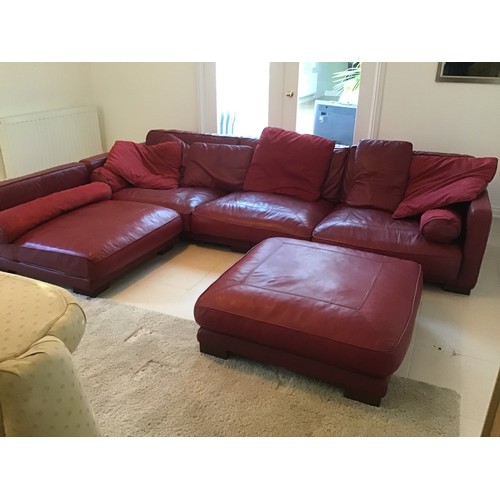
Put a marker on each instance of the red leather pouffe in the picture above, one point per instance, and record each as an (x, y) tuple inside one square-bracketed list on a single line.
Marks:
[(341, 315)]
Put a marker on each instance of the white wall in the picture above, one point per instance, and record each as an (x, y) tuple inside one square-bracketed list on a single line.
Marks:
[(441, 116), (137, 97), (32, 87)]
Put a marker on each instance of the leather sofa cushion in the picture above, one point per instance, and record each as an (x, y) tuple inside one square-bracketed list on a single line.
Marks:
[(377, 174), (159, 135), (217, 166), (439, 180), (377, 231), (252, 217), (182, 199), (332, 187), (29, 187), (155, 167), (17, 220), (99, 239), (285, 162), (441, 225)]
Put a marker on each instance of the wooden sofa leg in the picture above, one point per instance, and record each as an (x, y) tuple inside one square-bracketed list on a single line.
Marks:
[(362, 397), (92, 293), (456, 289), (213, 351), (165, 250)]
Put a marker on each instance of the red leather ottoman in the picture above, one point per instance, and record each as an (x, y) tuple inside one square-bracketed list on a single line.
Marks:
[(344, 316)]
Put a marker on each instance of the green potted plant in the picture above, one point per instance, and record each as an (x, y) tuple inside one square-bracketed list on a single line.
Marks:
[(347, 83)]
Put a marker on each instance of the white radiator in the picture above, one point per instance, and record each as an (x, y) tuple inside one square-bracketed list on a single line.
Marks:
[(29, 143)]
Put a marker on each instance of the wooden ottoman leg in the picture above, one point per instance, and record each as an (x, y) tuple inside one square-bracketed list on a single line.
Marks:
[(362, 397), (209, 345)]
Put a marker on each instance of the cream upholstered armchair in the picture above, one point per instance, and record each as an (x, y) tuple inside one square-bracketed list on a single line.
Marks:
[(40, 392)]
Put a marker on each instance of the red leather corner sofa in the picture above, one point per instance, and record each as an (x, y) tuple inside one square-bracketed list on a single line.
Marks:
[(83, 224)]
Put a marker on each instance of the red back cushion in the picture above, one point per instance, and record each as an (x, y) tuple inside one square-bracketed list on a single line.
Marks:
[(101, 174), (17, 220), (286, 162), (154, 167), (159, 135), (437, 181), (441, 225), (377, 174), (219, 166), (332, 187)]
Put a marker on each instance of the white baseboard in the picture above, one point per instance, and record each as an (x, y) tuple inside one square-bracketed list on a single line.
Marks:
[(496, 212)]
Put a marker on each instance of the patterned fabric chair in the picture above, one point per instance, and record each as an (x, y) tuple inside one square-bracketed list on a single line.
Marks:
[(40, 392)]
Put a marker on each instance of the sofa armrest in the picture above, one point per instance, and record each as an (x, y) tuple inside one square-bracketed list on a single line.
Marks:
[(95, 161), (476, 230)]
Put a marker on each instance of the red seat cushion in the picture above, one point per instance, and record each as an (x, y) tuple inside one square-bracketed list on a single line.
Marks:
[(182, 199), (377, 231), (286, 162), (252, 217)]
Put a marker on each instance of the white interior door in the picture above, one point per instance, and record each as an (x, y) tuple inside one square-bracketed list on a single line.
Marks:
[(284, 93)]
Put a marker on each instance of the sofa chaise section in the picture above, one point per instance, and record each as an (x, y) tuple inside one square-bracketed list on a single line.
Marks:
[(88, 248), (63, 233)]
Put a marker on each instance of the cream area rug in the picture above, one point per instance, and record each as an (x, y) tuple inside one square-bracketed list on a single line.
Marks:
[(144, 376)]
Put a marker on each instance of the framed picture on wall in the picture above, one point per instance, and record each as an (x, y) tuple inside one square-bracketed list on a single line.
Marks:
[(468, 72)]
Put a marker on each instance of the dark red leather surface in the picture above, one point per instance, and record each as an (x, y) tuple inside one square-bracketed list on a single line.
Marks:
[(26, 188), (152, 167), (7, 252), (17, 220), (289, 163), (216, 166), (377, 231), (98, 239), (477, 229), (439, 181), (332, 187), (377, 174), (183, 199), (114, 181), (339, 306), (252, 217), (95, 161), (248, 141), (159, 135), (441, 225)]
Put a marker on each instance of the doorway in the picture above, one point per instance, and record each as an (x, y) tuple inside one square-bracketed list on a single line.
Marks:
[(327, 100), (281, 97)]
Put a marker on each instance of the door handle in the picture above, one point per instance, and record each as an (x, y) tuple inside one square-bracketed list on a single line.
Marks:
[(290, 93)]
